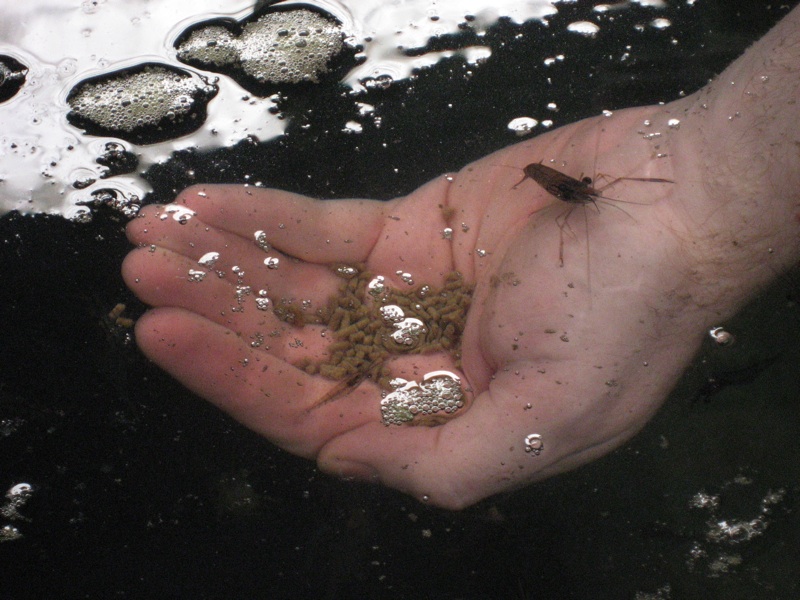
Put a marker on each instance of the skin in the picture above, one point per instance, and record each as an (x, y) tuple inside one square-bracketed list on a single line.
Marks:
[(582, 354)]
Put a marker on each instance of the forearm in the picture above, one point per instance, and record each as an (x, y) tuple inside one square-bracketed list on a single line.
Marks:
[(742, 165)]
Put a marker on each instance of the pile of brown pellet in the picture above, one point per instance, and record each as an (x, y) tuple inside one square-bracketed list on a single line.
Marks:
[(362, 340)]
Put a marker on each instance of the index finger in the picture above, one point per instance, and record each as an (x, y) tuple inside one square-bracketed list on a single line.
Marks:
[(302, 227)]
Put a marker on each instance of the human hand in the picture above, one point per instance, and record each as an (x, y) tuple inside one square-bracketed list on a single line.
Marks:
[(580, 322), (519, 373)]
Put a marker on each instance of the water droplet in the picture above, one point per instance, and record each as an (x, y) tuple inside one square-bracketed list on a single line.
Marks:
[(534, 444)]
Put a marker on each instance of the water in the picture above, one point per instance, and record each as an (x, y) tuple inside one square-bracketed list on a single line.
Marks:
[(141, 490)]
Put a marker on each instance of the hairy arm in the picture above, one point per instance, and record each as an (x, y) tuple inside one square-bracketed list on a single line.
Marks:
[(743, 130)]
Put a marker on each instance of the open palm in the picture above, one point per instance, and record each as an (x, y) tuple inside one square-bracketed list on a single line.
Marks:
[(577, 353)]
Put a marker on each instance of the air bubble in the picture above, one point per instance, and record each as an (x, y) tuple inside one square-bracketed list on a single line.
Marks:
[(585, 28), (346, 271), (392, 313), (377, 286), (534, 444), (405, 277), (196, 276), (522, 125), (408, 332), (660, 23), (721, 337), (439, 391), (209, 259), (261, 240), (272, 262), (180, 213)]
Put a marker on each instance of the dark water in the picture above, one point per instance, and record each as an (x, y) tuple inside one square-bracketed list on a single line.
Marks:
[(141, 490)]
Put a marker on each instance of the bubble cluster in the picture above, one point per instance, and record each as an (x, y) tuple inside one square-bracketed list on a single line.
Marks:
[(280, 47), (180, 213), (195, 276), (261, 240), (732, 518), (439, 392), (144, 104), (16, 497), (208, 260), (534, 444)]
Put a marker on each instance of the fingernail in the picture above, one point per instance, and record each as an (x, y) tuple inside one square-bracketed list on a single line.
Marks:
[(351, 470)]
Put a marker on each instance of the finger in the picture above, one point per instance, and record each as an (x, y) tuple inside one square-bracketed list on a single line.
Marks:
[(241, 261), (161, 277), (312, 230), (259, 390)]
